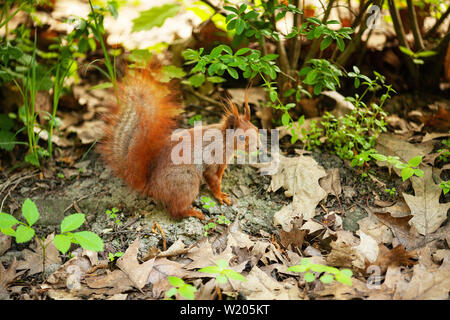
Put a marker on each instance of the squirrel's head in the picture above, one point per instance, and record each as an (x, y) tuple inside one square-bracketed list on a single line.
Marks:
[(244, 134)]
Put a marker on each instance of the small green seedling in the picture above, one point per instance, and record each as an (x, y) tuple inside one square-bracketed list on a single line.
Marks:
[(212, 225), (180, 287), (330, 273), (24, 231), (113, 216), (113, 256), (391, 192), (408, 169), (208, 203), (416, 55), (222, 272), (445, 186)]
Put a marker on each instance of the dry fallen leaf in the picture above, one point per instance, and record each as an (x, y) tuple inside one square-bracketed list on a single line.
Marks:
[(395, 257), (260, 286), (7, 276), (428, 213), (137, 272), (426, 284), (299, 176)]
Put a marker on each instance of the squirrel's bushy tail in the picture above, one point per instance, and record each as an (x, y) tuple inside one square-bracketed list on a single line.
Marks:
[(138, 126)]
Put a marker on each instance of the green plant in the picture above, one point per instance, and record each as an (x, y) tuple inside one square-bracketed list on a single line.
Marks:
[(445, 186), (222, 59), (222, 220), (391, 192), (408, 169), (113, 256), (321, 74), (415, 56), (328, 273), (112, 214), (445, 151), (180, 287), (24, 231), (223, 274)]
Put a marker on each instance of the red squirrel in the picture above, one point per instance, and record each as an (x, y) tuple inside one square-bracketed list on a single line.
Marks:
[(137, 144)]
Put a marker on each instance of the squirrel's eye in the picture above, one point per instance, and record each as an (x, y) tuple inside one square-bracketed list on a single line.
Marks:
[(241, 137)]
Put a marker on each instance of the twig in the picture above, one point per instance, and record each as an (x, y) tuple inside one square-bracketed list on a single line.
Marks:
[(161, 231), (437, 24), (205, 98), (414, 26)]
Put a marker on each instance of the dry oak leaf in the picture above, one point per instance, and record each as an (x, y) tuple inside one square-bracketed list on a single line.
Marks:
[(426, 284), (332, 182), (7, 276), (260, 286), (33, 259), (395, 257), (137, 272), (299, 176), (428, 213)]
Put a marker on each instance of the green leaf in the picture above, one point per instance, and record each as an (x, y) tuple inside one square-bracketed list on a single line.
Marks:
[(242, 51), (221, 279), (211, 269), (309, 277), (6, 123), (197, 79), (285, 119), (346, 272), (172, 72), (62, 242), (234, 275), (407, 173), (24, 234), (378, 157), (155, 17), (30, 211), (414, 162), (424, 54), (418, 172), (233, 73), (222, 264), (268, 57), (340, 44), (89, 240), (298, 268), (305, 262), (406, 51), (325, 43), (176, 282), (72, 222), (343, 278), (7, 220), (273, 95), (171, 292), (11, 232), (187, 291), (326, 278)]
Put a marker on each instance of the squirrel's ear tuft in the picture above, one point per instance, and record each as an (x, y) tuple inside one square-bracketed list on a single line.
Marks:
[(231, 121)]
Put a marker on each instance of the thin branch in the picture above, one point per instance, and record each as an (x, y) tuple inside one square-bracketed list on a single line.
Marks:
[(415, 26), (298, 19), (438, 23), (400, 32)]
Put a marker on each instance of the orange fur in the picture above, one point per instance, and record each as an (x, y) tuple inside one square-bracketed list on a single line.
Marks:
[(137, 145)]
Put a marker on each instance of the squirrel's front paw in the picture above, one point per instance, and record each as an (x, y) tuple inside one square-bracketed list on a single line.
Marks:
[(223, 197)]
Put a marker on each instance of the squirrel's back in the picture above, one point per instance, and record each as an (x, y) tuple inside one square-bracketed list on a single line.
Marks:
[(138, 126)]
